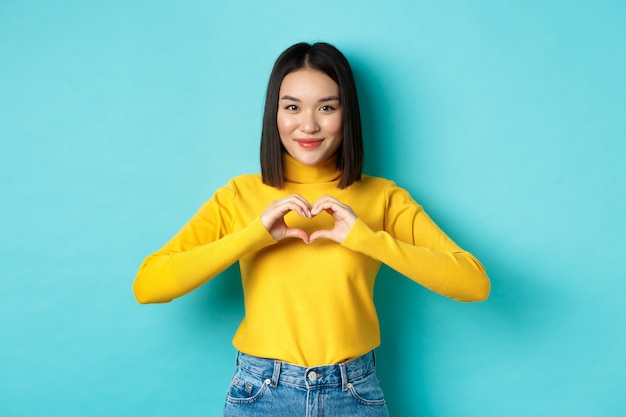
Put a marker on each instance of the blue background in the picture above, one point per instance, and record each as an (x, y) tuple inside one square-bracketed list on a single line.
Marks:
[(506, 120)]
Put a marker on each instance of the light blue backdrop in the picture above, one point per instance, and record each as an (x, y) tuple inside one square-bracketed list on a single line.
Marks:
[(505, 119)]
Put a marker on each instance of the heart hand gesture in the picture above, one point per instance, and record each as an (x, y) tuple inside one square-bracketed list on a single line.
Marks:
[(342, 214), (273, 218)]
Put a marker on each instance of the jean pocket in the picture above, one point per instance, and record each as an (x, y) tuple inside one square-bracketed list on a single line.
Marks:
[(246, 388), (367, 391)]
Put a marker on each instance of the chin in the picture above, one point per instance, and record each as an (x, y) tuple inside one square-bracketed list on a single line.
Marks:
[(312, 161)]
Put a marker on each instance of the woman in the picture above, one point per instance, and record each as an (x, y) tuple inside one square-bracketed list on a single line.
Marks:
[(310, 233)]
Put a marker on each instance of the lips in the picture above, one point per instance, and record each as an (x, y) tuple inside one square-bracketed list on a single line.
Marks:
[(309, 143)]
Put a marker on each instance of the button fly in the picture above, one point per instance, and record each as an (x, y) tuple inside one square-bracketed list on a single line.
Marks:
[(312, 376)]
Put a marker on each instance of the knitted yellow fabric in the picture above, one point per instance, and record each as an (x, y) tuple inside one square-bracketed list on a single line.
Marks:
[(310, 304)]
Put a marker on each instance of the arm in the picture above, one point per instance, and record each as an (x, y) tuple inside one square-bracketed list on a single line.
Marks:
[(412, 244), (203, 248)]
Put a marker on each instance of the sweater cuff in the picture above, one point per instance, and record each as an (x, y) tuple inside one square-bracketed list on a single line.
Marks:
[(358, 236), (257, 233)]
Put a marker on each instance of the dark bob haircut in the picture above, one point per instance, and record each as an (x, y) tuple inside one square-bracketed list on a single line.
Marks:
[(329, 60)]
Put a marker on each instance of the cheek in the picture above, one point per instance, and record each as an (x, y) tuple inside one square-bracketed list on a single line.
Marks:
[(285, 124), (334, 125)]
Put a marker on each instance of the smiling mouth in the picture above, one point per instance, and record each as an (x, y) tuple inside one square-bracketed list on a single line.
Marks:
[(309, 143)]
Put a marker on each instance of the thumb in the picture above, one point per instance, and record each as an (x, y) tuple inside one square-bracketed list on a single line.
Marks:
[(297, 233), (321, 234)]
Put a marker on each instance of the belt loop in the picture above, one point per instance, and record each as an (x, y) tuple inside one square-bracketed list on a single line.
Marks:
[(374, 356), (344, 377), (237, 358), (276, 373)]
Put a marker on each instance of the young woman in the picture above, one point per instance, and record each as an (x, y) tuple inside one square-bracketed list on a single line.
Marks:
[(310, 233)]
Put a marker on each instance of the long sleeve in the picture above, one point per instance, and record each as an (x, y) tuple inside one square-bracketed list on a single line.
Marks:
[(412, 244), (208, 244), (309, 304)]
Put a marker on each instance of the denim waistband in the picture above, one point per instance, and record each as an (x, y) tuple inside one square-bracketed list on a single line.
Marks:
[(341, 374)]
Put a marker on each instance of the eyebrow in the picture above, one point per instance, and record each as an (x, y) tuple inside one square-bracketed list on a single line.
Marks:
[(323, 99)]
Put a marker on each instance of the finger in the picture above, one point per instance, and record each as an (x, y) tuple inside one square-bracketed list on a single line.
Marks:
[(282, 207), (297, 206), (300, 198), (336, 209), (325, 203), (297, 233), (322, 234), (304, 208)]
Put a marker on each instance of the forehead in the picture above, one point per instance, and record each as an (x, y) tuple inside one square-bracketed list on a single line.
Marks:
[(306, 83)]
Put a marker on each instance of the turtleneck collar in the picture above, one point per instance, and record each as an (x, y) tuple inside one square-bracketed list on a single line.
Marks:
[(304, 174)]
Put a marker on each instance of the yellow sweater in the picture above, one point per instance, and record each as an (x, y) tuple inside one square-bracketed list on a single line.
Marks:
[(310, 304)]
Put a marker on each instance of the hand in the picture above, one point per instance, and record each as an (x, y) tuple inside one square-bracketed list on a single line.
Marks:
[(273, 217), (343, 215)]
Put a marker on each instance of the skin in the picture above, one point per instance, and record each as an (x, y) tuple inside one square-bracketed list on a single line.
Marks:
[(309, 118)]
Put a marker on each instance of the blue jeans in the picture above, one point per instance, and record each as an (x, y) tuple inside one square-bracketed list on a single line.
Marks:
[(267, 387)]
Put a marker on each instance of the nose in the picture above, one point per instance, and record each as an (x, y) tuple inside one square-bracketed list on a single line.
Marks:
[(309, 124)]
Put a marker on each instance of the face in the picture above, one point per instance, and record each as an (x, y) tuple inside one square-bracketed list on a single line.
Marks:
[(309, 116)]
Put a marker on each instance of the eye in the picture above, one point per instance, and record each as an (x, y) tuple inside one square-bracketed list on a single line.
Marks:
[(327, 108), (291, 107)]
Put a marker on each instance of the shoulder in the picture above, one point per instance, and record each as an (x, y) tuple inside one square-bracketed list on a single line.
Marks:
[(373, 180), (384, 187), (236, 185), (373, 183), (245, 180)]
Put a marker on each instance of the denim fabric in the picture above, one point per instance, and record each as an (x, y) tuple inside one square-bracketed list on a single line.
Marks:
[(266, 387)]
